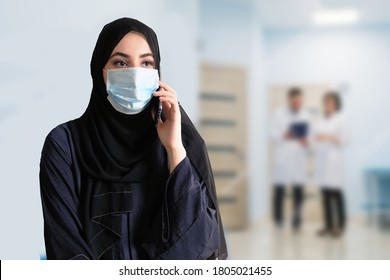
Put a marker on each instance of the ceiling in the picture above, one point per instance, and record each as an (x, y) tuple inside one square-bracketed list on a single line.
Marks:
[(299, 13)]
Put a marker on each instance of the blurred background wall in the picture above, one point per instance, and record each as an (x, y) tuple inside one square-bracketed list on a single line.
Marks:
[(355, 61), (46, 48)]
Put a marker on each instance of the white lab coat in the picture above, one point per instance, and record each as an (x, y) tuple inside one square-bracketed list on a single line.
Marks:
[(290, 156), (329, 158)]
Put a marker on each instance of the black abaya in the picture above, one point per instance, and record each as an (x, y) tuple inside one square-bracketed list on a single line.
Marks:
[(138, 207)]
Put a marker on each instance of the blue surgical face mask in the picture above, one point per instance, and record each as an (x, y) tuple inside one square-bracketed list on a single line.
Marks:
[(130, 89)]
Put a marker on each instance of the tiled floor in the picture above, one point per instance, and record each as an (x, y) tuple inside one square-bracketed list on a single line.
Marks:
[(263, 241)]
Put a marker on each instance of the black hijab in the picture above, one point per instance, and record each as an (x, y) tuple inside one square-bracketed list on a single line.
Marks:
[(109, 143)]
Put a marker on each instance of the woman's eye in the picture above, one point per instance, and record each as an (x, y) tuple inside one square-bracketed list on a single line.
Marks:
[(147, 64), (120, 63)]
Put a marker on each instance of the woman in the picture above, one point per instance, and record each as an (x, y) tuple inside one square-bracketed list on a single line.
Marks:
[(124, 181), (330, 138)]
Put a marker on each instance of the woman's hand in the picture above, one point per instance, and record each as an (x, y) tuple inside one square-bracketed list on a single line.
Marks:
[(169, 131), (328, 137), (303, 141)]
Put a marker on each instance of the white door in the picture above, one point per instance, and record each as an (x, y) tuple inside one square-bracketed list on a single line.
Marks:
[(223, 126)]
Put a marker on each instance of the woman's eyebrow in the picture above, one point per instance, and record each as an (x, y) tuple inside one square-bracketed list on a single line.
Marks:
[(121, 54), (145, 55)]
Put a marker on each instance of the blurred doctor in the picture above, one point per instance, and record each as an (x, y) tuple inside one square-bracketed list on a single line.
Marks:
[(330, 137), (289, 133)]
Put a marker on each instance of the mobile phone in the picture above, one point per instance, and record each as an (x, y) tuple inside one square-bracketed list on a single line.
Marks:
[(159, 112)]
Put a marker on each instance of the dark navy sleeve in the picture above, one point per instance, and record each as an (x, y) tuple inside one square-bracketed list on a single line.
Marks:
[(189, 227), (62, 227)]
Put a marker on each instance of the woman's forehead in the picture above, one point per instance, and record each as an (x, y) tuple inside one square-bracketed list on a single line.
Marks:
[(133, 44)]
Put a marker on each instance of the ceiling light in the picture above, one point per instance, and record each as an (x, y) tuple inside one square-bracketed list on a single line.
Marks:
[(335, 17)]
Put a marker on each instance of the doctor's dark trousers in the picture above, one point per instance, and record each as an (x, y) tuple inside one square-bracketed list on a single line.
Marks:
[(334, 208), (278, 199)]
